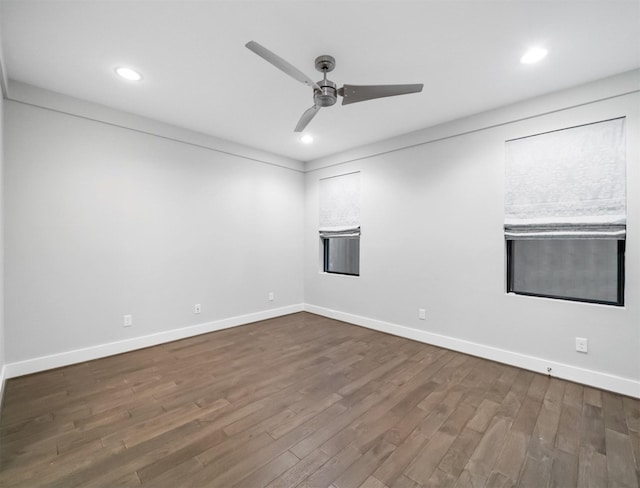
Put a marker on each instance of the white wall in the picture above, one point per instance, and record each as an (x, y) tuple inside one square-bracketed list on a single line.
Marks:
[(3, 93), (102, 220), (432, 213), (2, 346)]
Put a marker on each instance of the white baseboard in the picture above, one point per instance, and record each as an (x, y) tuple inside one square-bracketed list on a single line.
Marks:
[(624, 386), (605, 381), (20, 368)]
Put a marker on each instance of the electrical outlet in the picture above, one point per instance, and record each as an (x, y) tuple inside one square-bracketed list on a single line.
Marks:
[(422, 314), (270, 296), (127, 320), (197, 308), (582, 345)]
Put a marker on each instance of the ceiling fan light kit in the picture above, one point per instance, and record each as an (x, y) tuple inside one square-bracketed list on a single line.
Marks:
[(325, 92)]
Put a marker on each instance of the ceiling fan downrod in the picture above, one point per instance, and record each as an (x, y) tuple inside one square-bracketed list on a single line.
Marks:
[(327, 95)]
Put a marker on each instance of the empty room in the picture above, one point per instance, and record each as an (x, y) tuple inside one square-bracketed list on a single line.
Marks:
[(330, 244)]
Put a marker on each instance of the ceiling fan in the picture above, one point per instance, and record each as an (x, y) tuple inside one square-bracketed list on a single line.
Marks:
[(325, 92)]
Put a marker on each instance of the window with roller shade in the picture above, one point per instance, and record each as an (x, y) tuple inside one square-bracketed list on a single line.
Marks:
[(340, 224), (565, 213)]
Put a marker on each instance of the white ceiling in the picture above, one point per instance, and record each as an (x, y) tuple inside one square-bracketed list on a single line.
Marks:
[(198, 74)]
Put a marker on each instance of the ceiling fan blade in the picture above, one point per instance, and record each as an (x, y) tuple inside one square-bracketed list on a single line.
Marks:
[(361, 93), (281, 64), (306, 118)]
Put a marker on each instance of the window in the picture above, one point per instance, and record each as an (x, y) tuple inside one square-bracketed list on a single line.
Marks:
[(342, 255), (586, 270), (565, 213), (340, 224)]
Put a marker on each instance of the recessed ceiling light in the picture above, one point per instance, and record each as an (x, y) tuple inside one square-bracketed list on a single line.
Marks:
[(128, 74), (306, 139), (533, 55)]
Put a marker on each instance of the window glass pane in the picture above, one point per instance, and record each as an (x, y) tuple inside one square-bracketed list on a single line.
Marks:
[(582, 269), (342, 255)]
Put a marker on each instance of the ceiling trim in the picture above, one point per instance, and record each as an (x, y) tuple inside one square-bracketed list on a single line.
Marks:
[(4, 83), (57, 102), (607, 88)]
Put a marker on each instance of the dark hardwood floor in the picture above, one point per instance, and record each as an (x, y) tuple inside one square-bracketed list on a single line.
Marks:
[(306, 401)]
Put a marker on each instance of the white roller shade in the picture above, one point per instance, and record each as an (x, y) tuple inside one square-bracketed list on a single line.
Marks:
[(568, 184), (340, 206)]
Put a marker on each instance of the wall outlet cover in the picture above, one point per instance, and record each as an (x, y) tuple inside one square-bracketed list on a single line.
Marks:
[(582, 344)]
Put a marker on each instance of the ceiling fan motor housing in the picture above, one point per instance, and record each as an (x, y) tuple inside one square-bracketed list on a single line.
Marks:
[(327, 95)]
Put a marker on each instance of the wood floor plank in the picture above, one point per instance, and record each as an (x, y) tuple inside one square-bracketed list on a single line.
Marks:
[(536, 472), (503, 384), (483, 416), (405, 426), (179, 475), (362, 435), (405, 482), (620, 462), (592, 428), (180, 453), (49, 469), (593, 396), (332, 469), (441, 479), (614, 414), (568, 436), (155, 426), (363, 467), (307, 401), (303, 413), (479, 381), (564, 470), (390, 469), (458, 455), (426, 461), (481, 462), (634, 437), (527, 416), (103, 471), (331, 428), (544, 433), (232, 467), (420, 363), (372, 482), (512, 455), (592, 468), (379, 419), (440, 413), (376, 373), (268, 410), (300, 471), (270, 471), (499, 480), (632, 413), (513, 400)]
